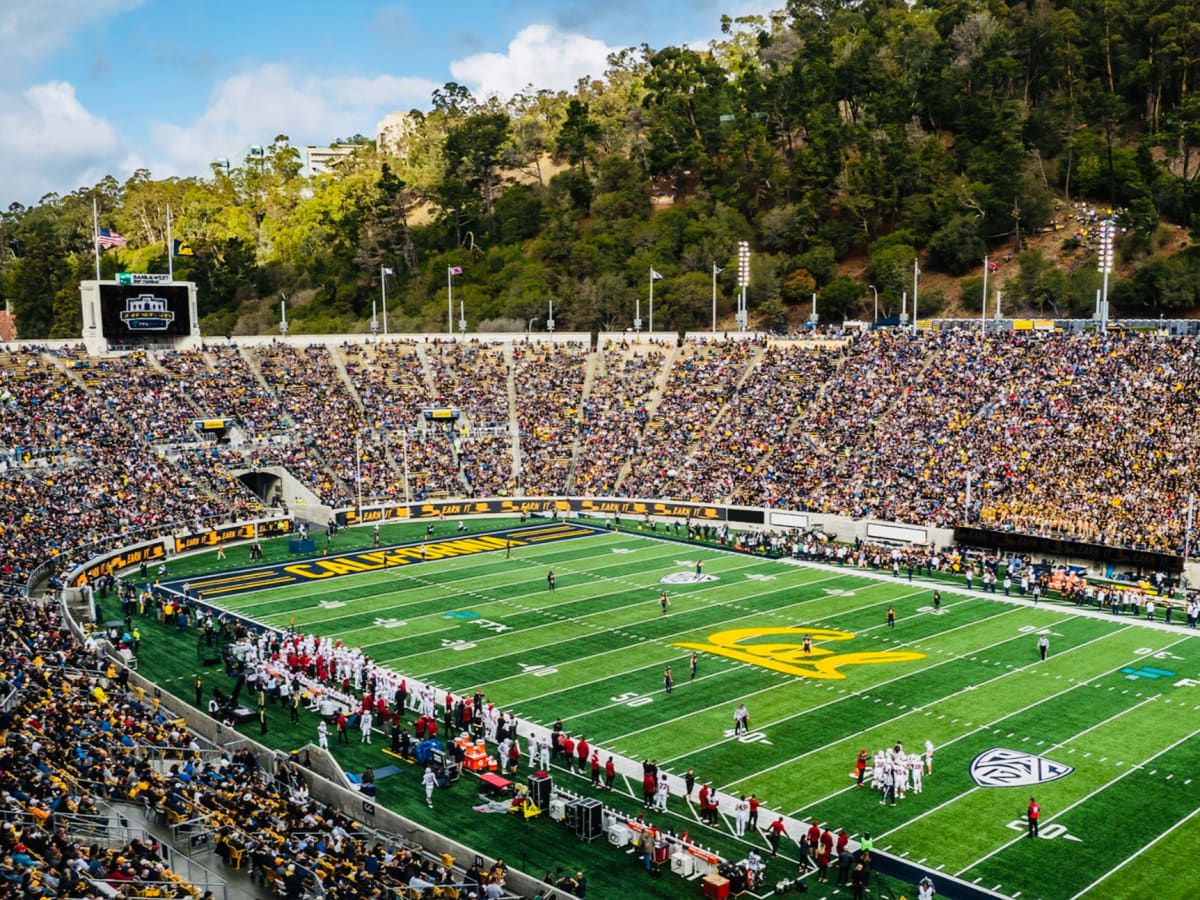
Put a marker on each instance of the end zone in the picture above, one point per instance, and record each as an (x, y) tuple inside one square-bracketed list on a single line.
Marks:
[(256, 578)]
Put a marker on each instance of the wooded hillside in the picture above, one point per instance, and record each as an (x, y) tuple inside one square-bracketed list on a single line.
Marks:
[(842, 140)]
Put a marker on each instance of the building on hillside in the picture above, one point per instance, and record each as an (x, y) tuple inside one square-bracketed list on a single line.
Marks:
[(392, 133), (250, 155), (324, 160)]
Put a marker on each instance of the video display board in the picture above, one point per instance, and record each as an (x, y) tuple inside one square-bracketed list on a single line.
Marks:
[(130, 311)]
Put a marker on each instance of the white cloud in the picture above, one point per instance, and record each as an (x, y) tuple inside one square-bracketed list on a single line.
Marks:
[(541, 55), (253, 106), (30, 29), (51, 142)]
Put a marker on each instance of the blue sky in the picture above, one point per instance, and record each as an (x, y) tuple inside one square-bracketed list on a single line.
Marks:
[(89, 87)]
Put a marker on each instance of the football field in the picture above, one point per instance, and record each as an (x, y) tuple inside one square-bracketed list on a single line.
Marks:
[(1105, 732)]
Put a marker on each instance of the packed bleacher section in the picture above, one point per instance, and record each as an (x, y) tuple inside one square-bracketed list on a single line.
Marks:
[(66, 746), (157, 406), (78, 737), (1086, 437), (230, 389), (391, 383), (615, 413), (549, 387), (474, 379), (702, 380)]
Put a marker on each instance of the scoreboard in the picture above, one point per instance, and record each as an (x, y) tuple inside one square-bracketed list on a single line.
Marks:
[(138, 310)]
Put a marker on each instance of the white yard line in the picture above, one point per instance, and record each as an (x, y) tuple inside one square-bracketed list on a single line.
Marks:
[(794, 679), (1131, 857), (906, 712), (772, 687), (1053, 605), (1073, 737), (1015, 712), (464, 562), (420, 584), (579, 620), (1067, 809)]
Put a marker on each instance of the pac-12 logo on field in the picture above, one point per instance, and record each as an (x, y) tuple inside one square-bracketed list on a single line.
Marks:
[(686, 578), (1012, 768), (791, 658)]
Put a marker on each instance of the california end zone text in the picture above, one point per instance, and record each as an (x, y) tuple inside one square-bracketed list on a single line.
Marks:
[(374, 560)]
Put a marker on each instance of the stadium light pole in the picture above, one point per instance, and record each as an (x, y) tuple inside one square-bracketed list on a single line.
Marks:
[(715, 272), (451, 271), (652, 279), (1105, 262), (462, 318), (1187, 534), (383, 295), (876, 293), (170, 247), (637, 314), (743, 317)]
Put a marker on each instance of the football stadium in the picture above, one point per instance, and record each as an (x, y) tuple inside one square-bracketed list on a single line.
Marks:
[(671, 455), (767, 667)]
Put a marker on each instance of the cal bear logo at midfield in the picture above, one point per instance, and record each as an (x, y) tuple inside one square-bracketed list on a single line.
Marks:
[(792, 658), (686, 578), (1012, 768)]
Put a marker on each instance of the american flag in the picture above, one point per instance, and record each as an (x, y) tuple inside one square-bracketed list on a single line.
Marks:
[(106, 238)]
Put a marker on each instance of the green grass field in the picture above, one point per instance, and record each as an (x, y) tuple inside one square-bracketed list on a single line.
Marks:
[(968, 678)]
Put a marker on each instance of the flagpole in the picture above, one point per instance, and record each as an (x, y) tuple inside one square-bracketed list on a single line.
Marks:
[(449, 301), (96, 236), (651, 331), (383, 293), (983, 315), (170, 248)]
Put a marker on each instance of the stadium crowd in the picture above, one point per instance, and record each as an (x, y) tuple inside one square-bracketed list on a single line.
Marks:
[(701, 382), (1081, 436), (77, 736), (614, 414), (549, 386)]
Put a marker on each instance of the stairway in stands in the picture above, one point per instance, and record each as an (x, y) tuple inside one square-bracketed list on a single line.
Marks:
[(594, 363), (652, 405), (514, 423)]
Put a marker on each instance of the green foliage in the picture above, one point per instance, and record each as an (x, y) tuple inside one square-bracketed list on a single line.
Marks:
[(840, 298), (1162, 286), (829, 133)]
